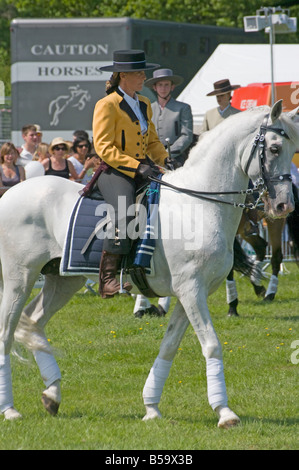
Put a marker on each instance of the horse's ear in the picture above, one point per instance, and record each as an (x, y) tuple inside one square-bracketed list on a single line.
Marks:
[(294, 114), (276, 111)]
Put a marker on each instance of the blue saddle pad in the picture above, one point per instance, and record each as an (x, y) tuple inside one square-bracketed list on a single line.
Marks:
[(82, 250), (83, 222)]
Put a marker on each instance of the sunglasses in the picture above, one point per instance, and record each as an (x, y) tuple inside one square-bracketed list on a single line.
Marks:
[(82, 145), (63, 147)]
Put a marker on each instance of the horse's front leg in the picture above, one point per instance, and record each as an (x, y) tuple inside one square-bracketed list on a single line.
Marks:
[(199, 317), (153, 387), (212, 351)]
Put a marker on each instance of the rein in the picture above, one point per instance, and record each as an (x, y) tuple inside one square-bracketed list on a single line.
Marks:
[(260, 186), (204, 194)]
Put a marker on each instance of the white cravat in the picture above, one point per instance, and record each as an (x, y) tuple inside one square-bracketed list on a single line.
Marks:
[(135, 106)]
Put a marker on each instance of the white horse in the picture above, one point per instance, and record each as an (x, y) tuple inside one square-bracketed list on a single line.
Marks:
[(190, 262)]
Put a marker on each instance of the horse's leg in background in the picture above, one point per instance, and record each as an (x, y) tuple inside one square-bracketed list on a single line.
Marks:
[(275, 228), (248, 267), (211, 349), (249, 230), (231, 295), (259, 245), (143, 306), (56, 292), (18, 283)]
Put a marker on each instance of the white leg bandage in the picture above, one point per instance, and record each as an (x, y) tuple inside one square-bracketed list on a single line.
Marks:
[(216, 384), (6, 399), (141, 303), (154, 384), (231, 291), (164, 302), (48, 367), (272, 286)]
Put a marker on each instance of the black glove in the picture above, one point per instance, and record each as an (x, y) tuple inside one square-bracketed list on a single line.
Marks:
[(144, 171), (171, 163)]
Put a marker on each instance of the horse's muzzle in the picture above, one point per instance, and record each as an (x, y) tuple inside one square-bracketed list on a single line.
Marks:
[(278, 210)]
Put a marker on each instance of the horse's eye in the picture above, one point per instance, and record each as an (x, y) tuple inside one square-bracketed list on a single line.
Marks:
[(275, 149)]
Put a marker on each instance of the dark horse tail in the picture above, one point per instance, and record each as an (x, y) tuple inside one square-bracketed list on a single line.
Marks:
[(293, 225), (242, 263)]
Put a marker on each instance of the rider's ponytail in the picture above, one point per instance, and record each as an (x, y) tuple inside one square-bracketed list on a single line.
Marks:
[(112, 83)]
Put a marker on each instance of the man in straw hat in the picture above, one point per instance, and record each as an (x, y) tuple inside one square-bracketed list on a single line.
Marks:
[(125, 138), (172, 118), (222, 91)]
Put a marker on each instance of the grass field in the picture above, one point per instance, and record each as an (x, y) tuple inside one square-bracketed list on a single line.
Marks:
[(105, 355)]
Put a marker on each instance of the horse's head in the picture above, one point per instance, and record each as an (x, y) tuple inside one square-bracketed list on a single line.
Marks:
[(269, 163)]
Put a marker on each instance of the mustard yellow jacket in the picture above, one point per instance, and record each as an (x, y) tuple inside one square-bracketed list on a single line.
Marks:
[(117, 135)]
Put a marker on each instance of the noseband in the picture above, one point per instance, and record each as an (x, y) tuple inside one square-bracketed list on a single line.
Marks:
[(262, 183)]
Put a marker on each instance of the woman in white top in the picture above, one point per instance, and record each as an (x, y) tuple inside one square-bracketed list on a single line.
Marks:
[(81, 148)]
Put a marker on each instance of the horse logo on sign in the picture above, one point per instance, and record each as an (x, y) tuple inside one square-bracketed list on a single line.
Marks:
[(76, 98)]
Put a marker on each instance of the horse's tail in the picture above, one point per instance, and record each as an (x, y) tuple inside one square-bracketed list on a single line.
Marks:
[(293, 225), (242, 262)]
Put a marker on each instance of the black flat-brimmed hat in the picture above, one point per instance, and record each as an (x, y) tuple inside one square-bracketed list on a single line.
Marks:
[(163, 74), (131, 60), (222, 86)]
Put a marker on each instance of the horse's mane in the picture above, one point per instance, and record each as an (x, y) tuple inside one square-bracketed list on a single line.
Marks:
[(228, 125), (207, 138)]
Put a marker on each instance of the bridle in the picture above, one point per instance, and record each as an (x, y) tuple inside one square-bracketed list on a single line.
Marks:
[(260, 186), (259, 142)]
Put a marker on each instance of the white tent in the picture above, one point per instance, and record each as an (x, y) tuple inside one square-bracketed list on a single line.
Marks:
[(242, 64)]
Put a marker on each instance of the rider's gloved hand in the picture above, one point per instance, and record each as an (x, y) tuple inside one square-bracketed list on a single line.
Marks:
[(144, 171)]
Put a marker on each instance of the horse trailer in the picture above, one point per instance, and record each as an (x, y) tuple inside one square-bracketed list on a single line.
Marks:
[(55, 73)]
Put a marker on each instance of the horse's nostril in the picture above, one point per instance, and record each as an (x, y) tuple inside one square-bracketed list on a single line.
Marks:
[(284, 208), (281, 207)]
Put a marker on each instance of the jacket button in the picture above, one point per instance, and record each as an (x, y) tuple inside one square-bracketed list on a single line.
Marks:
[(137, 154)]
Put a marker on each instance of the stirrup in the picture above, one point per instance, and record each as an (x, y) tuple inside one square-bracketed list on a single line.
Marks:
[(122, 290)]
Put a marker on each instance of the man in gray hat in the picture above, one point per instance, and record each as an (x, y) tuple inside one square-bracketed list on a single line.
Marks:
[(173, 119), (222, 91)]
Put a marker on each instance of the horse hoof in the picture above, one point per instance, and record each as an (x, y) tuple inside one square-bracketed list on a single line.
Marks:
[(228, 419), (162, 311), (260, 291), (155, 311), (50, 405), (152, 412), (11, 414), (269, 298), (139, 313), (232, 313)]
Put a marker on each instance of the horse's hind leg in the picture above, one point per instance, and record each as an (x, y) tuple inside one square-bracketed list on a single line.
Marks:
[(57, 291), (13, 301)]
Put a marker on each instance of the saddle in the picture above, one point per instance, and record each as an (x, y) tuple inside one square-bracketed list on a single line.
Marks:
[(86, 232)]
